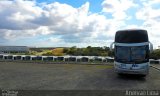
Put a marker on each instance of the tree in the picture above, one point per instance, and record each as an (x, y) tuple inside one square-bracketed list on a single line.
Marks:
[(155, 54), (72, 50), (111, 53)]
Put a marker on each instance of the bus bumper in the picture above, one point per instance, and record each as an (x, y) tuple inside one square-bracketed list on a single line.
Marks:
[(124, 71), (143, 69)]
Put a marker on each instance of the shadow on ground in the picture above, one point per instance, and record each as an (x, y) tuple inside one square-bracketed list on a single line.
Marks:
[(132, 77)]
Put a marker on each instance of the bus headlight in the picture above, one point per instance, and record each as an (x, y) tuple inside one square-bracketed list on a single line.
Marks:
[(144, 67)]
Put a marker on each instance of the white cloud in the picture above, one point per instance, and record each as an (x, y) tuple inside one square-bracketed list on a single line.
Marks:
[(74, 26), (118, 8), (19, 34), (151, 18), (19, 17), (16, 14), (54, 40), (117, 5)]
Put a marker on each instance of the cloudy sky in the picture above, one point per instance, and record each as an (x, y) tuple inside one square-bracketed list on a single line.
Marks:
[(81, 23)]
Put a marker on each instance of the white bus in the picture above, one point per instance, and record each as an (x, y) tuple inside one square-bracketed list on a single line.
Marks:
[(131, 52)]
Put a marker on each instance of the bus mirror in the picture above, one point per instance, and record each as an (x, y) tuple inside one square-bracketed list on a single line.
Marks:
[(111, 46), (151, 46)]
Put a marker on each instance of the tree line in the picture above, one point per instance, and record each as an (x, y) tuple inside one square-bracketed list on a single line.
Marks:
[(101, 51), (88, 51)]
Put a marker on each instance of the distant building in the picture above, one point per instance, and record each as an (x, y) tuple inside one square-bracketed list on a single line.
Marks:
[(14, 49)]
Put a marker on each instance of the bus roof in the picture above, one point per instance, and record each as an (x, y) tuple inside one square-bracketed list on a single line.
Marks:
[(131, 36)]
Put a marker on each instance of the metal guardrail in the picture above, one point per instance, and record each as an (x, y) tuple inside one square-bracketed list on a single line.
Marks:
[(62, 59), (152, 61)]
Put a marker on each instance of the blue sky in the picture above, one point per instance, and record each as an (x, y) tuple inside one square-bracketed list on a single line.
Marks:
[(81, 23), (95, 5)]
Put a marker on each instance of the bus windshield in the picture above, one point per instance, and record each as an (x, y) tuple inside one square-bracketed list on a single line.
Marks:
[(134, 54)]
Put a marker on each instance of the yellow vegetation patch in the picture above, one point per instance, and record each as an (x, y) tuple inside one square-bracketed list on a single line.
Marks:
[(58, 52)]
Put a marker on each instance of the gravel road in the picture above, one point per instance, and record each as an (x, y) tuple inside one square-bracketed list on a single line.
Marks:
[(28, 76)]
